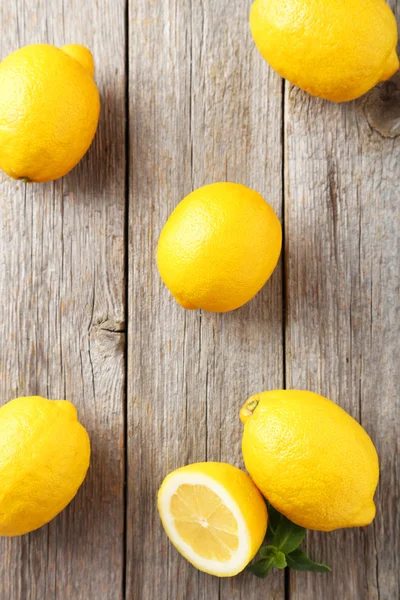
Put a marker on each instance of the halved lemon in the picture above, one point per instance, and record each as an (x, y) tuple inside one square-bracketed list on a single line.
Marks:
[(214, 515)]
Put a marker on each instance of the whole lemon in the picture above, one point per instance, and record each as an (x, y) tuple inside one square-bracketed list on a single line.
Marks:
[(336, 49), (311, 459), (219, 247), (49, 110), (44, 457)]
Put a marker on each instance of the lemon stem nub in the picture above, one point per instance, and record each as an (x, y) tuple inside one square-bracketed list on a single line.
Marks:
[(25, 179), (250, 408)]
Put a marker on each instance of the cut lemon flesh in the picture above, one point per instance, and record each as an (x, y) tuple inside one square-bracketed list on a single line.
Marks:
[(205, 522)]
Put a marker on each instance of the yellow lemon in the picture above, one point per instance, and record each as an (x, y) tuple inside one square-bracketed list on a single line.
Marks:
[(214, 515), (336, 49), (311, 459), (44, 457), (219, 247), (82, 55), (49, 110)]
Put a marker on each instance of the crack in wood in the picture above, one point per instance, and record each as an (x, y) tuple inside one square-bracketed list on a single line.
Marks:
[(382, 108)]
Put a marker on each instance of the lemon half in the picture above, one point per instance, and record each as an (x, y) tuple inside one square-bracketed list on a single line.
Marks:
[(214, 515)]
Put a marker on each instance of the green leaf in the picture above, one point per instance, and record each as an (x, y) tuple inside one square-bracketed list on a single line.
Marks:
[(280, 560), (268, 551), (288, 536), (262, 567), (282, 550), (274, 518), (299, 561), (282, 533), (269, 535)]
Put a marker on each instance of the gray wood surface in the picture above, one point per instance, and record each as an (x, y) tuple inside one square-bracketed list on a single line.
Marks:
[(342, 168), (62, 313), (204, 108), (77, 268)]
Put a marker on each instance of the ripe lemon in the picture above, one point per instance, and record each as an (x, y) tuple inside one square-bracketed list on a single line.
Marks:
[(214, 515), (44, 456), (336, 49), (49, 110), (311, 459), (219, 247)]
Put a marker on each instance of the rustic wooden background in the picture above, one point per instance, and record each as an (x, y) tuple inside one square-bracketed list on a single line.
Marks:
[(187, 100)]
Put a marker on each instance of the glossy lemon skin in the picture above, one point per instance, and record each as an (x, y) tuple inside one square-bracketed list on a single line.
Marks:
[(311, 459), (244, 493), (44, 457), (219, 247), (337, 50), (49, 111)]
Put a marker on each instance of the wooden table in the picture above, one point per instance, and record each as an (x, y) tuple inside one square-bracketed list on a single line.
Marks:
[(187, 100)]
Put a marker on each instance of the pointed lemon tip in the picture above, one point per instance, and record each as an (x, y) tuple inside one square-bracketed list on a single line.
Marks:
[(365, 515), (185, 304), (369, 513), (68, 408), (391, 66), (82, 55)]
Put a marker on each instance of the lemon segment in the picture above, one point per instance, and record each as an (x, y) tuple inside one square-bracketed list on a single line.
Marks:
[(214, 516), (204, 523)]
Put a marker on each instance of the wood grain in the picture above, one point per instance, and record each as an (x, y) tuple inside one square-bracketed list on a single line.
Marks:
[(62, 313), (342, 334), (204, 108)]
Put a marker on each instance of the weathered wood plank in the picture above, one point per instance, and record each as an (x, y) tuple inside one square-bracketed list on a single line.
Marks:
[(204, 108), (236, 136), (342, 256), (160, 173), (62, 286)]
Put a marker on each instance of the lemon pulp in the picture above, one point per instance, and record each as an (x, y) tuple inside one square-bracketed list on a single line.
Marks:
[(204, 522)]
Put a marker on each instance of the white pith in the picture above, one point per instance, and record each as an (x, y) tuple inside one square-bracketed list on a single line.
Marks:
[(239, 559)]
